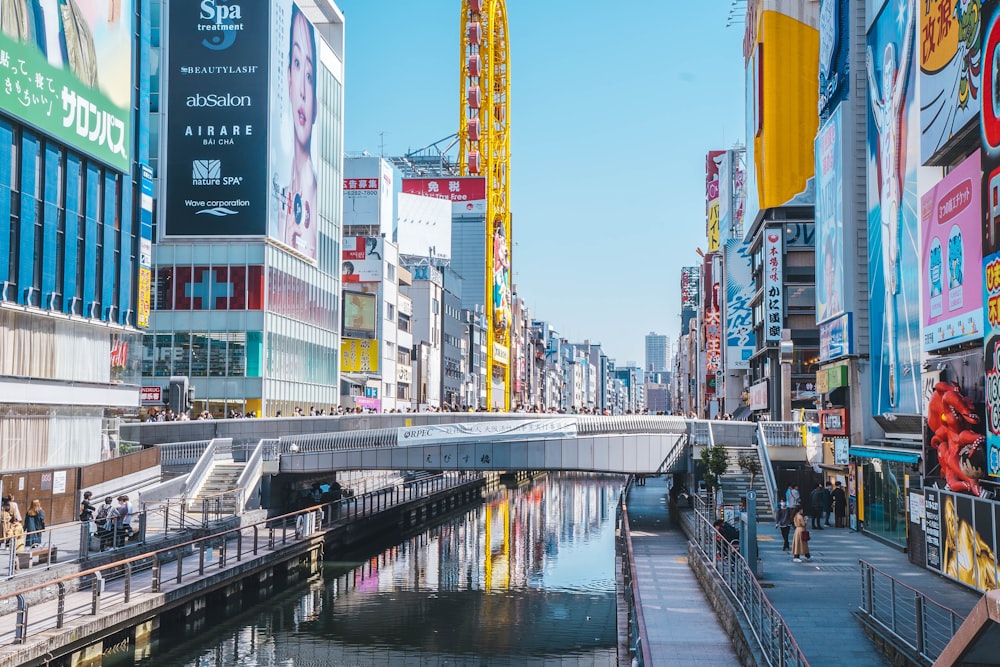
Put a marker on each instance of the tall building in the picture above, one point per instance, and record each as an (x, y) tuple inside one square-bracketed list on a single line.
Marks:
[(657, 353), (75, 209), (249, 169)]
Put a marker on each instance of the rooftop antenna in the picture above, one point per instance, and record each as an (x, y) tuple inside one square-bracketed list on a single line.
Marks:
[(381, 144)]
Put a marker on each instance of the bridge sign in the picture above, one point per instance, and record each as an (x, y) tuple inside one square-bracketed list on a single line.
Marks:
[(520, 429)]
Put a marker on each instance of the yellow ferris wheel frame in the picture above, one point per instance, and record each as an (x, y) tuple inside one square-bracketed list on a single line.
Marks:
[(484, 149)]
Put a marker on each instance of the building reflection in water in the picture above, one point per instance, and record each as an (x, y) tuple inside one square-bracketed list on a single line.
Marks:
[(527, 576)]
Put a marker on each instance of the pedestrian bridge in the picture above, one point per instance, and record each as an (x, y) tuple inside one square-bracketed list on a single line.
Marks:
[(626, 444)]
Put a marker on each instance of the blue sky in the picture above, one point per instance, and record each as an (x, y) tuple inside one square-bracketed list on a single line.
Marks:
[(613, 107)]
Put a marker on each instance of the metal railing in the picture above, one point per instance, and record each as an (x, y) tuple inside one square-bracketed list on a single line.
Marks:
[(766, 625), (781, 434), (638, 643), (180, 562), (182, 453), (919, 622), (766, 469)]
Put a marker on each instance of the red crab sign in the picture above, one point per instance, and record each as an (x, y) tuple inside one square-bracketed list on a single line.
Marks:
[(957, 437)]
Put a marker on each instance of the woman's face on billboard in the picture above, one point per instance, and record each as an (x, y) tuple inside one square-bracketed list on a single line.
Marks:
[(301, 81)]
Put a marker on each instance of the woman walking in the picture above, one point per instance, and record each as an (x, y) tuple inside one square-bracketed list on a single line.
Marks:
[(800, 541), (34, 523)]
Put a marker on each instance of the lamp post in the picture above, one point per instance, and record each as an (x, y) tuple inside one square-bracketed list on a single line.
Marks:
[(787, 350)]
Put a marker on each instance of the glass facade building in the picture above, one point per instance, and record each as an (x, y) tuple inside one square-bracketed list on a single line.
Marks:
[(73, 235), (253, 323)]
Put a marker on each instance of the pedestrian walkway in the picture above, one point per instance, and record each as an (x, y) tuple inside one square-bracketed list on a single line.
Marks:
[(681, 625), (817, 597)]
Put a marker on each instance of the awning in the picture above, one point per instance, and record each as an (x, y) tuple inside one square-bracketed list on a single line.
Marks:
[(886, 454), (742, 413)]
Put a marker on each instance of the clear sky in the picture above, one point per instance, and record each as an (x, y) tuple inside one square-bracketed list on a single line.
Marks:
[(613, 107)]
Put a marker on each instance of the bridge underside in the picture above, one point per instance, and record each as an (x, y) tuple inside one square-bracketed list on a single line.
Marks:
[(633, 454)]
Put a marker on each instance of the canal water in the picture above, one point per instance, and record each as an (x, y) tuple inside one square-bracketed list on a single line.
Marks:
[(526, 578)]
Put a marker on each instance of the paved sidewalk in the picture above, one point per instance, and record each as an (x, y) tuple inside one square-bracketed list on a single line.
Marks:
[(681, 625), (816, 598)]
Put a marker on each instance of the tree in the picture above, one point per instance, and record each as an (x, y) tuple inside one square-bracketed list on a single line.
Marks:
[(750, 464), (715, 462)]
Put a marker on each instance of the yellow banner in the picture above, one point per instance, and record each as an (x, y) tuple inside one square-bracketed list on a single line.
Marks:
[(359, 355), (145, 295)]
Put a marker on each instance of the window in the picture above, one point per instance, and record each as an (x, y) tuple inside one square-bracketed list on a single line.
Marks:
[(390, 312)]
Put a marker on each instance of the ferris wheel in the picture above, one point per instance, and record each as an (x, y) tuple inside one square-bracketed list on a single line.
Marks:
[(484, 150)]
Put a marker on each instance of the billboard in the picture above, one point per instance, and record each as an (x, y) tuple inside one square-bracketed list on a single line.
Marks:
[(830, 219), (991, 355), (68, 72), (782, 97), (836, 337), (216, 130), (690, 287), (961, 538), (145, 292), (359, 355), (773, 301), (360, 312), (834, 47), (214, 288), (740, 337), (712, 163), (369, 189), (952, 291), (293, 218), (732, 195), (467, 194), (362, 259), (990, 129), (893, 235), (950, 72)]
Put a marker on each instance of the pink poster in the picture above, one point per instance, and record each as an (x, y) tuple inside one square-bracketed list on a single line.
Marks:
[(951, 252)]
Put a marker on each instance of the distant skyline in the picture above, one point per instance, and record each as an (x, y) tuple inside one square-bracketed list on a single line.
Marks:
[(612, 111)]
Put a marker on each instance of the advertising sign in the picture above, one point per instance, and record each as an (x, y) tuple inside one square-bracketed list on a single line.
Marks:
[(961, 539), (690, 287), (950, 74), (713, 339), (829, 218), (522, 429), (991, 354), (467, 193), (758, 396), (893, 234), (990, 129), (712, 161), (359, 355), (217, 287), (740, 337), (836, 338), (773, 302), (368, 192), (952, 290), (292, 217), (68, 72), (833, 49), (216, 132), (145, 291), (360, 312), (150, 394), (362, 259)]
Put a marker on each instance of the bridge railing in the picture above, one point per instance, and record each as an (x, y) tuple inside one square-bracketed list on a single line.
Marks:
[(781, 434), (919, 622), (638, 643), (765, 467), (182, 453), (768, 628)]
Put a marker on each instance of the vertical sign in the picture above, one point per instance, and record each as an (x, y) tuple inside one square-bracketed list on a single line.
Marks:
[(990, 194), (712, 198), (740, 338), (932, 528), (145, 248), (772, 284), (829, 219), (893, 144)]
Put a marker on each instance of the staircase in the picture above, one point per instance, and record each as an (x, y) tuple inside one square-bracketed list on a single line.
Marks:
[(220, 480), (736, 483)]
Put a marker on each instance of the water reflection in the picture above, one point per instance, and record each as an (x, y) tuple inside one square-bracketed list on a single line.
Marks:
[(528, 576)]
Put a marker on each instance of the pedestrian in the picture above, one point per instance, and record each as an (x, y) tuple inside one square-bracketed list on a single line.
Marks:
[(15, 511), (839, 505), (34, 523), (816, 506), (792, 498), (783, 522), (800, 541), (827, 503)]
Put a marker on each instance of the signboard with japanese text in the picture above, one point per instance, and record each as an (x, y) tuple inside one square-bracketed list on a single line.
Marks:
[(467, 193), (991, 355), (145, 291), (690, 287), (773, 301), (961, 537), (836, 338), (66, 68), (713, 340), (712, 161), (369, 193), (359, 355), (758, 396), (893, 147), (952, 290), (151, 394), (950, 58)]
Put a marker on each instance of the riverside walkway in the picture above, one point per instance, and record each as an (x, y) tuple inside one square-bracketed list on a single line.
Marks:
[(819, 600)]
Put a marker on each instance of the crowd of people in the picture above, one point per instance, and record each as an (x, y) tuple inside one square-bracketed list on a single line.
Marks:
[(168, 415), (111, 524), (824, 502), (17, 531)]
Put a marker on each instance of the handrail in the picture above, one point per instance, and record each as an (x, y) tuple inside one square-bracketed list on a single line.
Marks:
[(766, 625), (251, 472), (913, 618), (202, 469), (637, 621), (765, 467)]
